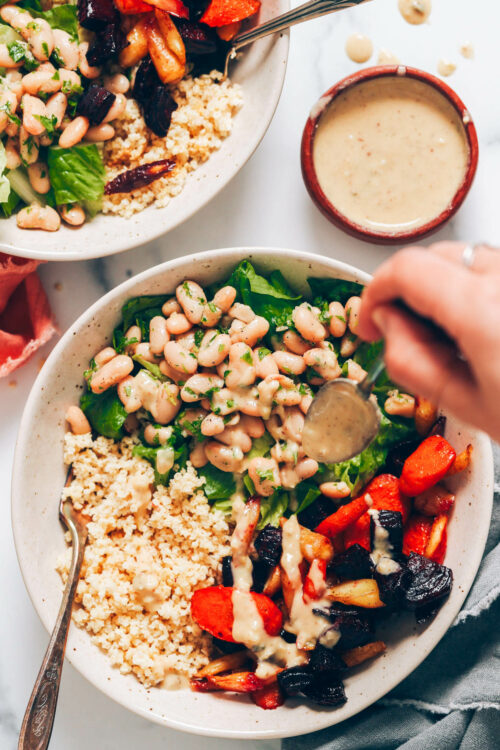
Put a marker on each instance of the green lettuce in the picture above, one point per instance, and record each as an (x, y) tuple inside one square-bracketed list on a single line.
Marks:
[(331, 290), (138, 311), (77, 175), (150, 452), (105, 412), (273, 508), (219, 485), (4, 181), (59, 17)]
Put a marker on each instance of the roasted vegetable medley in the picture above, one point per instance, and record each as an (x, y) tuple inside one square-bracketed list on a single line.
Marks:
[(66, 72), (222, 377)]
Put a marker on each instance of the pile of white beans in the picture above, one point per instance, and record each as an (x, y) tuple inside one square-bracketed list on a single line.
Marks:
[(20, 93), (238, 389)]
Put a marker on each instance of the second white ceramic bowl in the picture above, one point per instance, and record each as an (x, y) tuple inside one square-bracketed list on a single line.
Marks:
[(39, 474)]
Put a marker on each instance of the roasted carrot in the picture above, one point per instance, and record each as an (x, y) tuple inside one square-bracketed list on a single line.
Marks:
[(315, 581), (416, 534), (343, 517), (382, 493), (461, 462), (268, 697), (427, 465), (212, 609), (237, 682)]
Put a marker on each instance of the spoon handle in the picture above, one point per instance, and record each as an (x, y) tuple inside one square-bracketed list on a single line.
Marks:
[(312, 9), (39, 717), (366, 385)]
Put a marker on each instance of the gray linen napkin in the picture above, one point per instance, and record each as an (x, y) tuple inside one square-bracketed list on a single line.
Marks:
[(452, 701)]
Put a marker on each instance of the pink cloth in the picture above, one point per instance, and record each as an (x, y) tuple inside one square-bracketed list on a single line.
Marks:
[(25, 316)]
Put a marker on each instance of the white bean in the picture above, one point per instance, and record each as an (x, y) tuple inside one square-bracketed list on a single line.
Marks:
[(179, 358), (134, 332), (335, 490), (212, 425), (41, 39), (33, 110), (6, 60), (214, 348), (241, 312), (400, 405), (264, 363), (157, 435), (38, 217), (16, 17), (12, 154), (117, 108), (198, 456), (224, 298), (306, 321), (354, 371), (158, 334), (295, 343), (66, 48), (167, 403), (242, 370), (292, 364), (74, 132), (224, 458), (252, 332), (254, 426), (56, 107), (99, 133), (144, 351), (198, 385), (192, 299), (77, 420), (338, 319), (74, 215), (104, 356), (88, 71), (69, 80), (305, 403), (171, 306), (42, 79), (117, 83), (348, 344), (324, 362), (129, 395), (264, 473), (28, 146), (187, 340), (111, 373), (352, 309), (235, 436), (177, 324), (38, 175)]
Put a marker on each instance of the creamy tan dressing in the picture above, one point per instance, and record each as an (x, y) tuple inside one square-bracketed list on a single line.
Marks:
[(164, 459), (446, 67), (467, 50), (415, 11), (386, 57), (359, 48), (390, 153), (146, 388), (339, 424), (382, 548)]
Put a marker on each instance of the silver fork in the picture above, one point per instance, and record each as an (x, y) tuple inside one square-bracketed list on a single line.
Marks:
[(39, 717), (312, 9)]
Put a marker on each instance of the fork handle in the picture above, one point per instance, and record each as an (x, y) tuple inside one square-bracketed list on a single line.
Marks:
[(312, 9), (39, 717)]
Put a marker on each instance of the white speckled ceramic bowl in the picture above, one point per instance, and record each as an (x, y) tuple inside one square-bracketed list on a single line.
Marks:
[(261, 73), (39, 474)]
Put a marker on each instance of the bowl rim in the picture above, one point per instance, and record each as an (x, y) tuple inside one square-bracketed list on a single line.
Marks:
[(151, 231), (324, 719), (309, 172)]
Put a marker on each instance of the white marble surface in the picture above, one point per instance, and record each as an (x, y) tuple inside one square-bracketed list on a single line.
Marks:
[(266, 204)]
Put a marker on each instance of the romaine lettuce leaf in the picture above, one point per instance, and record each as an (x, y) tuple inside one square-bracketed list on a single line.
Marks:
[(273, 299), (272, 508), (333, 289), (138, 311), (219, 485), (306, 493), (59, 17), (105, 412), (4, 182), (9, 206), (77, 175)]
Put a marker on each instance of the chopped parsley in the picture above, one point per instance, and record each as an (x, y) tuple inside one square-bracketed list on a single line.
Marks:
[(262, 352), (12, 117), (265, 475), (198, 337), (247, 357), (49, 123)]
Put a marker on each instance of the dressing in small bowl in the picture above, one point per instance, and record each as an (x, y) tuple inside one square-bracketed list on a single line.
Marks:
[(389, 154)]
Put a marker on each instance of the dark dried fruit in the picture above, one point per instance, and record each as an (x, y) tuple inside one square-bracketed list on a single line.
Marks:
[(392, 522), (354, 624), (227, 573), (158, 110), (268, 545), (354, 563), (288, 637), (295, 680), (198, 39), (260, 573), (96, 14), (133, 179), (398, 455), (325, 660), (206, 63), (320, 509), (226, 646), (424, 615), (392, 587), (106, 45), (439, 427), (430, 583), (196, 8), (146, 81), (326, 690), (95, 103)]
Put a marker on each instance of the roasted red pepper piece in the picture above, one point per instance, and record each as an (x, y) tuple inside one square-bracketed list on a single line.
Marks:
[(427, 465), (224, 12), (416, 534), (130, 7), (174, 7), (269, 697), (343, 517), (384, 494), (237, 682), (315, 582), (212, 608), (136, 178)]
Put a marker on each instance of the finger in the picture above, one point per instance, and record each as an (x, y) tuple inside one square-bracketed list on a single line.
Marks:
[(421, 363), (486, 258), (427, 283)]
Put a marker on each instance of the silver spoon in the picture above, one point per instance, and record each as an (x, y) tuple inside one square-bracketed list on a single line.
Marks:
[(342, 419), (39, 717), (312, 9)]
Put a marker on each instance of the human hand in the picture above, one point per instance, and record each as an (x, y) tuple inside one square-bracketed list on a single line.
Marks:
[(461, 374)]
